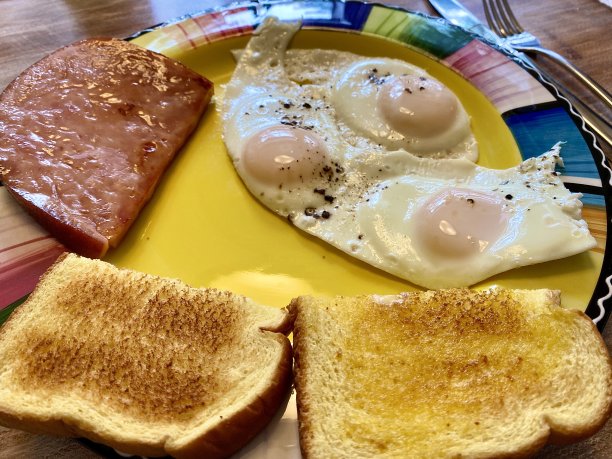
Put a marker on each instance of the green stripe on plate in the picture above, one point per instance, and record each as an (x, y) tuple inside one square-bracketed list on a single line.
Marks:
[(430, 35), (6, 312)]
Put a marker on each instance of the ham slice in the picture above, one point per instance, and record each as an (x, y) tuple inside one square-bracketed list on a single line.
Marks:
[(87, 132)]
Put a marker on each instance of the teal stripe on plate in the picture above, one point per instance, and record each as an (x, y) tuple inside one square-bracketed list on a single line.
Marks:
[(537, 128), (431, 35), (589, 199)]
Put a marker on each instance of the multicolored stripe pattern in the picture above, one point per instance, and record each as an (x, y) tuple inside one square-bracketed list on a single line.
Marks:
[(536, 117), (433, 36), (26, 251), (193, 32)]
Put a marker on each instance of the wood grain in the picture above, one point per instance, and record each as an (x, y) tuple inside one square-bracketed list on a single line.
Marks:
[(29, 29)]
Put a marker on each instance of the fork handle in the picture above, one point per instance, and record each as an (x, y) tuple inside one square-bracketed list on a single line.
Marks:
[(587, 80)]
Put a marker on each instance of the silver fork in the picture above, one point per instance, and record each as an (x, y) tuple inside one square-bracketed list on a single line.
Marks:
[(503, 22)]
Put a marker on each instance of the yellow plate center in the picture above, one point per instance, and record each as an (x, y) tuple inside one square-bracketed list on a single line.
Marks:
[(202, 226)]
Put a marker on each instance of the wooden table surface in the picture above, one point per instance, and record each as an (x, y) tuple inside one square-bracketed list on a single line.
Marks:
[(29, 29)]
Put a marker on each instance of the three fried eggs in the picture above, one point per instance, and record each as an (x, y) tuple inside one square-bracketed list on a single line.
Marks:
[(374, 156)]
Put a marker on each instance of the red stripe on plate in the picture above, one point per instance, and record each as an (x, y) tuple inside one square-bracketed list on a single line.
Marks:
[(20, 276), (506, 84), (191, 42), (218, 25), (21, 244)]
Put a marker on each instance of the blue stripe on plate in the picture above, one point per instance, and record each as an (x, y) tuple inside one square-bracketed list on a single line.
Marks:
[(349, 15), (357, 13), (537, 128), (592, 199)]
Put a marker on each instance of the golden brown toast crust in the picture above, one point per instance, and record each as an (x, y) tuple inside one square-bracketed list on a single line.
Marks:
[(222, 439), (448, 369), (149, 352), (226, 438)]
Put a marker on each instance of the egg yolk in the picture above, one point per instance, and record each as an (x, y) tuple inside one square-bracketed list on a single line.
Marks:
[(417, 106), (460, 223), (282, 154)]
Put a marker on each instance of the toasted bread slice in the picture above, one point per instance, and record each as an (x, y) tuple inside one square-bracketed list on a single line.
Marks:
[(450, 373), (87, 133), (144, 364)]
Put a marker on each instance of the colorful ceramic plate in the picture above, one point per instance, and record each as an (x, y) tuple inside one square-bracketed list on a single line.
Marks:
[(203, 226)]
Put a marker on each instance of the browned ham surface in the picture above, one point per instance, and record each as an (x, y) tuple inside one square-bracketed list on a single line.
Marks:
[(86, 133)]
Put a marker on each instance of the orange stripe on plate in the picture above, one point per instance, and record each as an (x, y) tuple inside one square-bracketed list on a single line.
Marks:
[(596, 219)]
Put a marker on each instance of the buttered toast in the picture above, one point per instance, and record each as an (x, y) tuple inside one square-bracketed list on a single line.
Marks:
[(449, 373), (146, 365)]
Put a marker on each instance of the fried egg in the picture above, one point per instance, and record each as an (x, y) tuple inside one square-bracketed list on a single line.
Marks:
[(306, 153), (398, 105)]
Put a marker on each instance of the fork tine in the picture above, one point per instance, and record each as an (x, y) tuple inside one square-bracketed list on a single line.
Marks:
[(502, 21), (509, 18), (495, 19), (490, 19)]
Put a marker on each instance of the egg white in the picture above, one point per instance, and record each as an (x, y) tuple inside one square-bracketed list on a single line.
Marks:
[(366, 201), (356, 97), (378, 225)]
